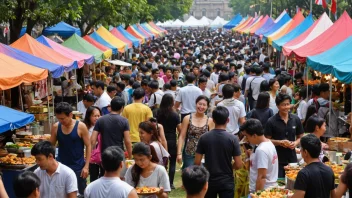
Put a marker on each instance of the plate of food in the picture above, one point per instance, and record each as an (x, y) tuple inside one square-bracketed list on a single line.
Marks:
[(147, 190), (272, 192), (339, 139)]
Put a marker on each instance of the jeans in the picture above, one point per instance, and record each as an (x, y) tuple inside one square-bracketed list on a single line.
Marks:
[(188, 160), (172, 149), (81, 183), (223, 192), (95, 172)]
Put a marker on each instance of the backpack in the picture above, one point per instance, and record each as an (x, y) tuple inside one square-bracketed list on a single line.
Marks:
[(155, 107), (250, 91), (316, 103)]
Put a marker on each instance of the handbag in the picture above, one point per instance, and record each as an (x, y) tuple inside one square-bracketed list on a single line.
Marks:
[(164, 158)]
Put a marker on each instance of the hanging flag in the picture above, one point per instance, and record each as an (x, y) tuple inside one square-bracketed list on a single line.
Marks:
[(333, 6), (321, 2)]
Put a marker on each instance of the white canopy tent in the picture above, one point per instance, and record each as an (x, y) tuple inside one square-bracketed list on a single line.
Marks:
[(205, 21), (166, 23), (218, 22), (177, 23), (193, 22)]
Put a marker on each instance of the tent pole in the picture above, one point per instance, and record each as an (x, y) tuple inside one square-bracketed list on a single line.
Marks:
[(76, 90), (21, 100), (307, 70), (48, 101), (330, 103)]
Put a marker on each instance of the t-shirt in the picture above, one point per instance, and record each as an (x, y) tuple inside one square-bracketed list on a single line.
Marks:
[(58, 185), (187, 96), (236, 111), (316, 179), (155, 98), (265, 156), (219, 148), (112, 128), (262, 115), (207, 93), (302, 110), (214, 77), (103, 101), (210, 85), (279, 130), (288, 90), (170, 123), (135, 114), (82, 109), (108, 187), (159, 178), (173, 93), (254, 82), (272, 104)]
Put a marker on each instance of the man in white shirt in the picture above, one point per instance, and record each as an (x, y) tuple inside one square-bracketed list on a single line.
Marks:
[(286, 89), (216, 72), (155, 76), (235, 107), (82, 106), (103, 97), (110, 185), (264, 162), (187, 96), (262, 56), (156, 94), (57, 180), (202, 84), (252, 89)]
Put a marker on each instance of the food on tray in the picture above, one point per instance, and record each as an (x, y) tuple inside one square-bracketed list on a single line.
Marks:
[(12, 159), (339, 139), (337, 169), (292, 174), (147, 190), (38, 137), (272, 192), (24, 144)]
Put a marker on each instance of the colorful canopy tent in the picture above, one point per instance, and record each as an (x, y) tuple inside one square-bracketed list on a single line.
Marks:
[(78, 44), (135, 33), (143, 32), (258, 25), (319, 26), (107, 51), (297, 19), (55, 69), (106, 35), (284, 20), (14, 72), (254, 22), (74, 55), (62, 29), (146, 26), (28, 44), (336, 61), (243, 24), (151, 23), (23, 31), (11, 119), (100, 40), (280, 16), (263, 28), (307, 23), (156, 34), (233, 22), (331, 37), (136, 42), (120, 36)]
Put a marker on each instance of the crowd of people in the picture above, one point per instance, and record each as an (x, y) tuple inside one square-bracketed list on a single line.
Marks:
[(203, 99)]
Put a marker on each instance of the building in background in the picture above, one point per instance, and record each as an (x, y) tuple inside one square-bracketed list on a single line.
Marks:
[(211, 9)]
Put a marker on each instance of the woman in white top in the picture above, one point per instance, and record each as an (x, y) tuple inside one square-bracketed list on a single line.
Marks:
[(149, 135), (302, 106), (146, 171), (274, 88), (93, 113)]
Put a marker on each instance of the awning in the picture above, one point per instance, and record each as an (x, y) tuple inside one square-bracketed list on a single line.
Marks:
[(107, 51), (106, 35), (136, 42), (62, 29), (11, 119), (102, 41)]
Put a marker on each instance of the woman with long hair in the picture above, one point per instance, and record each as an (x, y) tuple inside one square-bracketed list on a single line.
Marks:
[(262, 112), (317, 126), (146, 171), (149, 135), (170, 120), (95, 169), (193, 126), (311, 110), (274, 86), (161, 133)]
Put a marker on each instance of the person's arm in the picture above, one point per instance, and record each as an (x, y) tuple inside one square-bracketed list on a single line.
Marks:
[(181, 138), (177, 105), (133, 194), (85, 137), (296, 143), (53, 137), (298, 194), (198, 159), (3, 193), (238, 162), (162, 136), (178, 127), (178, 100), (128, 144), (261, 179), (339, 191), (93, 139)]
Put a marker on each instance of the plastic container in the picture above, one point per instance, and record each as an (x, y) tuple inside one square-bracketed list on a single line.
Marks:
[(27, 153)]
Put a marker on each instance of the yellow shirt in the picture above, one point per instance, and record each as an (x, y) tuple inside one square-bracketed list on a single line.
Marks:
[(136, 113)]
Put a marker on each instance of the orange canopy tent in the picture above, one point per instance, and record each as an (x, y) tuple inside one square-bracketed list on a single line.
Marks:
[(28, 44), (244, 23), (135, 33), (14, 72)]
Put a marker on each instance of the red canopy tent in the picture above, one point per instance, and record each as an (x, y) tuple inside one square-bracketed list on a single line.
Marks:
[(116, 33)]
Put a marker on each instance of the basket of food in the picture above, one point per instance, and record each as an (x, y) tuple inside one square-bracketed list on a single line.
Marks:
[(272, 192), (335, 141)]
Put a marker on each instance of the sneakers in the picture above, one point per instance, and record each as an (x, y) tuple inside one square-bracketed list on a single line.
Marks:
[(172, 186)]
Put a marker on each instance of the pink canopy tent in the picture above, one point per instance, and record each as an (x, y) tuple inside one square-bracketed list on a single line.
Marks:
[(120, 36)]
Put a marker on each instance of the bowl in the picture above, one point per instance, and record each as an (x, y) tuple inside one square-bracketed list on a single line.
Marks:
[(12, 150)]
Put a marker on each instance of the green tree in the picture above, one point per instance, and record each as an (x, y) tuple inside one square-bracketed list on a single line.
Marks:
[(170, 9)]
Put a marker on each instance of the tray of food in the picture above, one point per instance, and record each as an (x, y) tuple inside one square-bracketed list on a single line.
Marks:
[(272, 192), (147, 190), (34, 138), (11, 161)]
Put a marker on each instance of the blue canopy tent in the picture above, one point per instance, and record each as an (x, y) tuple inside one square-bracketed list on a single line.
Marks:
[(147, 34), (134, 40), (62, 29), (146, 29), (277, 25), (307, 23), (336, 61), (100, 40), (269, 23), (233, 22), (11, 119), (55, 69), (23, 31)]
